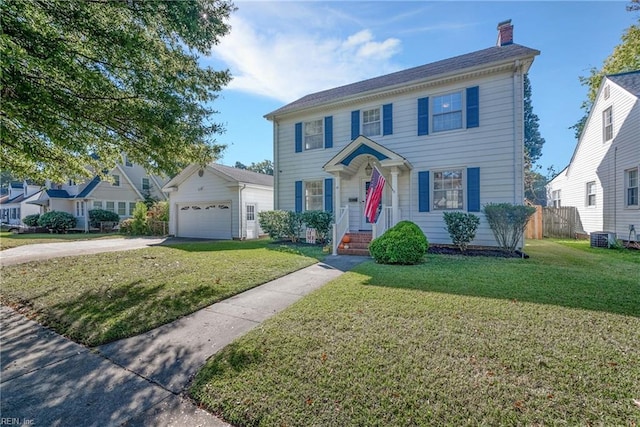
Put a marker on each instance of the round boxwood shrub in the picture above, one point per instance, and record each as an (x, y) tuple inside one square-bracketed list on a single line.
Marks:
[(57, 221), (31, 220), (404, 243), (96, 216)]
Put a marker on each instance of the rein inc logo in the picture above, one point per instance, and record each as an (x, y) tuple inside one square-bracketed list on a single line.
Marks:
[(16, 422)]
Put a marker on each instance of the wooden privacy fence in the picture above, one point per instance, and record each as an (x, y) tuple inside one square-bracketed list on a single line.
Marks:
[(561, 222), (534, 226)]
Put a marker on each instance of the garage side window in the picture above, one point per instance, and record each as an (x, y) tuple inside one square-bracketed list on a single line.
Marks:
[(251, 212)]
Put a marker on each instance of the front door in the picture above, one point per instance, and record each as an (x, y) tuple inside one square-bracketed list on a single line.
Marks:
[(365, 225)]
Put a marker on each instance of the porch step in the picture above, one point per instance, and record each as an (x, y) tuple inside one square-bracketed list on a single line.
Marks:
[(358, 244)]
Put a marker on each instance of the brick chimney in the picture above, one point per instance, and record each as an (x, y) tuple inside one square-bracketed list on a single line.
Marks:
[(505, 33)]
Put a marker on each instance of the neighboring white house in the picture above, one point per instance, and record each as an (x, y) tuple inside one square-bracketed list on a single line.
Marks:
[(218, 202), (603, 176), (446, 136), (130, 184)]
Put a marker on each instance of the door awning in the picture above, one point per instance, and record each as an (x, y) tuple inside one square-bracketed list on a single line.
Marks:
[(351, 157)]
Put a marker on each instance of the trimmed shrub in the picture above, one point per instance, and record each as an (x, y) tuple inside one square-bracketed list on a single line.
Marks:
[(508, 221), (31, 220), (321, 221), (139, 226), (57, 221), (126, 226), (462, 228), (404, 243), (96, 216), (281, 224)]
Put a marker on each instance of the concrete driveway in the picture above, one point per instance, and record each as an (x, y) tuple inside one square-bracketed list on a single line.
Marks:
[(40, 251)]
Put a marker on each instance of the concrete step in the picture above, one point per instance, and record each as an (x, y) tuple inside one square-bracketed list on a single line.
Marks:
[(352, 251)]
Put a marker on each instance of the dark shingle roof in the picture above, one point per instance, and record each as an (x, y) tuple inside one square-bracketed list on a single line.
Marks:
[(58, 194), (416, 74), (629, 81), (94, 182), (242, 175)]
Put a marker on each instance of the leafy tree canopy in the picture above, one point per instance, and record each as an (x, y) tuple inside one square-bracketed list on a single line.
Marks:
[(533, 141), (84, 81), (265, 167), (625, 57)]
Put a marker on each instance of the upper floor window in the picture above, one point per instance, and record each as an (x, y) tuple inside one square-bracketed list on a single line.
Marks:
[(313, 135), (555, 197), (607, 92), (313, 196), (145, 184), (591, 193), (371, 122), (116, 180), (448, 189), (607, 124), (71, 183), (447, 112), (631, 184), (127, 162)]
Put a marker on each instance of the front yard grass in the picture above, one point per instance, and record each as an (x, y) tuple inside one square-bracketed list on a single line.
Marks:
[(99, 298), (550, 340), (10, 240)]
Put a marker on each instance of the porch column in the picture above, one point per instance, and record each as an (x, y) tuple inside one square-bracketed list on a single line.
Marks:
[(336, 196), (394, 196)]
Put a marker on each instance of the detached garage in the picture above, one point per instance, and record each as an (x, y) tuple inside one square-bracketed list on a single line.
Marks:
[(218, 202)]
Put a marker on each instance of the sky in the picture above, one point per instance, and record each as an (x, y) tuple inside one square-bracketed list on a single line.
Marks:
[(280, 51)]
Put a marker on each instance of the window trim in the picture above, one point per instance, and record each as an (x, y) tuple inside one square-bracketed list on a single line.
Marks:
[(627, 187), (590, 192), (148, 183), (116, 180), (463, 190), (305, 196), (305, 146), (556, 201), (80, 209), (250, 212), (379, 121), (607, 128), (433, 114), (127, 162)]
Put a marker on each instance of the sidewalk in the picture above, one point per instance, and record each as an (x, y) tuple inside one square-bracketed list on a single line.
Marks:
[(49, 380)]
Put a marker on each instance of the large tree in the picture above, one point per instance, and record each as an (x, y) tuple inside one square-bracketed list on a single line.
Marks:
[(84, 81), (625, 57), (533, 142), (265, 167)]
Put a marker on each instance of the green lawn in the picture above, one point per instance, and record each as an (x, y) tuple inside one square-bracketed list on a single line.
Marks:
[(550, 340), (10, 240), (99, 298)]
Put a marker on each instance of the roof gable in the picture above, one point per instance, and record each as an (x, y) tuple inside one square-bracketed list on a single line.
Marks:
[(426, 72), (628, 81), (226, 172)]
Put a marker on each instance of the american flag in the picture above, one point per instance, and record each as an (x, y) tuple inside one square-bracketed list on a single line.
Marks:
[(374, 196)]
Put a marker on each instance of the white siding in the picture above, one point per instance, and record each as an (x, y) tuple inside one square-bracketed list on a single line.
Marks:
[(495, 147), (262, 199)]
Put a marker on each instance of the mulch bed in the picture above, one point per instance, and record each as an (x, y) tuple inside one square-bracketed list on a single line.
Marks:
[(475, 251)]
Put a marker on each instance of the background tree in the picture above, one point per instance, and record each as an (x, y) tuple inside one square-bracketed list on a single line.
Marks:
[(625, 57), (265, 167), (534, 182), (84, 81)]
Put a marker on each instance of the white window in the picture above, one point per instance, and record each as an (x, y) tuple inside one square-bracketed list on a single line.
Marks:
[(145, 184), (313, 135), (313, 196), (555, 197), (447, 112), (448, 189), (251, 212), (371, 122), (97, 204), (111, 206), (122, 208), (607, 124), (79, 209), (631, 184), (116, 180), (607, 92), (132, 206), (591, 193), (127, 162), (71, 183)]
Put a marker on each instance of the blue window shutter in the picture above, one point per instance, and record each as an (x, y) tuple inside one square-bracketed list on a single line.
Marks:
[(473, 189), (423, 191), (355, 124), (328, 194), (387, 119), (328, 132), (473, 107), (298, 137), (423, 116), (298, 196)]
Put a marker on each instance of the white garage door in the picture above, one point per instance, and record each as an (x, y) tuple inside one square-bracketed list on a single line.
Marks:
[(211, 220)]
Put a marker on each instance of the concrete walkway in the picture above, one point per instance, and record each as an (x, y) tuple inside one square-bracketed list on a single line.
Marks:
[(49, 380)]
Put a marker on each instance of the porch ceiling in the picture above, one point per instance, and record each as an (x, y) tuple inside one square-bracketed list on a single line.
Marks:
[(349, 160)]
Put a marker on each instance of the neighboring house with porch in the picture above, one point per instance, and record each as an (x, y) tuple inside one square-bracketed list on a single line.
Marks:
[(603, 176), (446, 136), (218, 202), (129, 183)]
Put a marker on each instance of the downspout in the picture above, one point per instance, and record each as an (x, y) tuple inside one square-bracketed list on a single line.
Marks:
[(615, 190), (241, 235)]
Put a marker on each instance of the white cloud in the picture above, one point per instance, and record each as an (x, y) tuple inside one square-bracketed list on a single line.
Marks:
[(284, 63)]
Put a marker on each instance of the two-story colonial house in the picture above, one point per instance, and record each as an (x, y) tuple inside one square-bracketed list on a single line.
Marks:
[(603, 176), (446, 136)]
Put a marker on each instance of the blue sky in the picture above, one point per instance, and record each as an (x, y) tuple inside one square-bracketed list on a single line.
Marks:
[(281, 51)]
